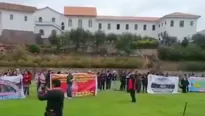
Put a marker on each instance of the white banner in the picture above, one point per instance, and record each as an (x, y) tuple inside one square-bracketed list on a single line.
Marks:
[(11, 87), (162, 84)]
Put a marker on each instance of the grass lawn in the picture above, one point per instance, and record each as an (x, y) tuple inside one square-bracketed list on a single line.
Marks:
[(112, 103)]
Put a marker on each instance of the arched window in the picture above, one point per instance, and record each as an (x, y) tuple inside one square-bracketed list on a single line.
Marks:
[(41, 32), (80, 23), (53, 20), (70, 22), (54, 32), (90, 23), (40, 19)]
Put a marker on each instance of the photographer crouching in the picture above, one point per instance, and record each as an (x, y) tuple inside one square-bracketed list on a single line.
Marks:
[(54, 98)]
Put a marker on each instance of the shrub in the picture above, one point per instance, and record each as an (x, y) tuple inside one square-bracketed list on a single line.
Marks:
[(192, 66), (147, 44), (177, 53), (34, 48), (73, 62)]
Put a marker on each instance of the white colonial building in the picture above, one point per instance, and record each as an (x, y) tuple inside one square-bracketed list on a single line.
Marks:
[(19, 21)]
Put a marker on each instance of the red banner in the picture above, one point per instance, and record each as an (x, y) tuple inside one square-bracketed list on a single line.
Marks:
[(84, 84)]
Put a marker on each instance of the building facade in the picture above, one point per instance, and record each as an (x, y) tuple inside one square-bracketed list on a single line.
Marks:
[(46, 21)]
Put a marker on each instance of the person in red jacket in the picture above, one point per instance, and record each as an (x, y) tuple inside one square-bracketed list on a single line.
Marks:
[(132, 87), (27, 77)]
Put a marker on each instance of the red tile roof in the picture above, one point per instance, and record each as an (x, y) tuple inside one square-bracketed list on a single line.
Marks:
[(16, 7), (131, 18), (80, 11)]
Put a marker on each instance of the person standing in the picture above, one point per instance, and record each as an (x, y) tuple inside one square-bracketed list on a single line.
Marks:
[(102, 80), (26, 82), (40, 80), (54, 98), (69, 83), (123, 80), (132, 87), (108, 80), (144, 83), (48, 78)]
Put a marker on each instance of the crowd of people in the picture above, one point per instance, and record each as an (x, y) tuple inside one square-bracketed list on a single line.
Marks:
[(106, 79)]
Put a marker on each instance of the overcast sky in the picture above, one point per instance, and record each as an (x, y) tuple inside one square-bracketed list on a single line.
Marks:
[(127, 7)]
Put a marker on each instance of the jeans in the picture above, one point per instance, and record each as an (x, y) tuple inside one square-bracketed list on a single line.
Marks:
[(69, 90), (26, 91)]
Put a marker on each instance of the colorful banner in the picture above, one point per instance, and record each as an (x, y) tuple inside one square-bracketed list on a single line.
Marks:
[(84, 84), (162, 84), (11, 87), (196, 84)]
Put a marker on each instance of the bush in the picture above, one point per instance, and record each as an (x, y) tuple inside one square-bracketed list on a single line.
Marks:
[(34, 48), (179, 53), (73, 62), (192, 66), (147, 44)]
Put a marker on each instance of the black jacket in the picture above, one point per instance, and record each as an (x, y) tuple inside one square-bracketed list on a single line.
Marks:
[(55, 100)]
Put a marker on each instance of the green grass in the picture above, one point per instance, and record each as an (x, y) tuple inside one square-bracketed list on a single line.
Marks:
[(111, 103)]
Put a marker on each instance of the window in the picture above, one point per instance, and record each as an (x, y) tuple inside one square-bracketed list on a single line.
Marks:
[(90, 23), (11, 16), (153, 27), (136, 26), (162, 24), (181, 23), (80, 23), (191, 23), (171, 23), (118, 26), (62, 26), (70, 22), (145, 27), (165, 23), (53, 20), (127, 26), (99, 26), (25, 18), (159, 25), (41, 32), (53, 32), (108, 26), (40, 19)]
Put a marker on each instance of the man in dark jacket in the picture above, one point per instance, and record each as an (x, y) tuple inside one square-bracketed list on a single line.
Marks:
[(132, 87), (108, 80), (69, 83), (48, 79), (54, 98)]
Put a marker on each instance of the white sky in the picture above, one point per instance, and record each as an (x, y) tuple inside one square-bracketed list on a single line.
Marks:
[(127, 7)]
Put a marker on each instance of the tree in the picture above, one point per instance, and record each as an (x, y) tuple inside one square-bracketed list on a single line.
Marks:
[(168, 40), (98, 39), (77, 37), (111, 38), (185, 42), (199, 39), (58, 41), (124, 43)]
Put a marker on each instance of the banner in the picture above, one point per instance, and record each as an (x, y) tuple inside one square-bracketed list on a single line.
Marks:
[(84, 84), (11, 87), (162, 84), (196, 84)]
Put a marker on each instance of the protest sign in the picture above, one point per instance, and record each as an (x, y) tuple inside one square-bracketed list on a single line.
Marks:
[(162, 84), (11, 87), (84, 84), (196, 84)]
